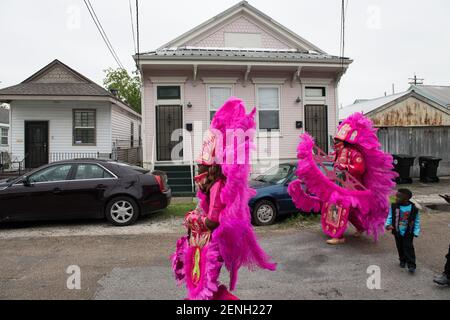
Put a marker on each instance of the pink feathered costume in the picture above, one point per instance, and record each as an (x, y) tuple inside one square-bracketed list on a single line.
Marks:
[(368, 206), (199, 258)]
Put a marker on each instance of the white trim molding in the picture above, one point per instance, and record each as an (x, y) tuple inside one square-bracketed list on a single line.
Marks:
[(316, 81), (168, 80), (214, 80), (271, 81)]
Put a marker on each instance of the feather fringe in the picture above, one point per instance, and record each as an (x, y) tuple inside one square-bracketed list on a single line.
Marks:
[(372, 205)]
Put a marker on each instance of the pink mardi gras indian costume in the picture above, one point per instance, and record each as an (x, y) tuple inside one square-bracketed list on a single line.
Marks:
[(357, 189), (199, 257)]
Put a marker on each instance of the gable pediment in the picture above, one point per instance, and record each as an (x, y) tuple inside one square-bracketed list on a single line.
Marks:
[(57, 72), (240, 32), (242, 26), (411, 110)]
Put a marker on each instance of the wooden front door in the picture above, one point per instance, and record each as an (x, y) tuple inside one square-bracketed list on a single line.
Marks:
[(169, 125), (36, 143), (316, 124)]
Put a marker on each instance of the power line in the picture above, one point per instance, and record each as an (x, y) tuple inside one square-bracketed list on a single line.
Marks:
[(416, 81), (105, 36), (132, 26), (344, 7), (137, 33), (103, 33)]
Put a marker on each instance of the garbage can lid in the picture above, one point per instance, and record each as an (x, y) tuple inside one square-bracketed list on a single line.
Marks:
[(429, 158), (403, 156)]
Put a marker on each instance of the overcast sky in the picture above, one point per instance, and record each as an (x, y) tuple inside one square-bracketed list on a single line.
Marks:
[(388, 40)]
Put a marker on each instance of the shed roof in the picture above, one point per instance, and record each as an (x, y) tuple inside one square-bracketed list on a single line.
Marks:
[(437, 94), (366, 106)]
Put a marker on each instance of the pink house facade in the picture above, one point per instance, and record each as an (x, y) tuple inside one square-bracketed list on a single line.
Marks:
[(243, 53)]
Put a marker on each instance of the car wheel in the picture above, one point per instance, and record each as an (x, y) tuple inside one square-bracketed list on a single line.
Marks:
[(122, 211), (264, 213)]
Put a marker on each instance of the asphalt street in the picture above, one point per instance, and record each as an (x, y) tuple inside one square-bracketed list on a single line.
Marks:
[(136, 266), (133, 262)]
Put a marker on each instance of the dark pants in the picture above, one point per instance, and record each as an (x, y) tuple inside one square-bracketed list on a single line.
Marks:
[(447, 265), (405, 249)]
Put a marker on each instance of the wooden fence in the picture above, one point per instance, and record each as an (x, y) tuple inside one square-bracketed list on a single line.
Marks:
[(417, 142)]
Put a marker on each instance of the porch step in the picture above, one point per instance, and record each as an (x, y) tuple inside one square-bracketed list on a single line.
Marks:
[(179, 179), (173, 168)]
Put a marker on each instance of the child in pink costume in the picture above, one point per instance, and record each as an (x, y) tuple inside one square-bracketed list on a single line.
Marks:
[(219, 229)]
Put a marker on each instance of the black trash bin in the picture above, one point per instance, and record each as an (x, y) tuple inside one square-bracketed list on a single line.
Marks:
[(428, 169), (402, 165)]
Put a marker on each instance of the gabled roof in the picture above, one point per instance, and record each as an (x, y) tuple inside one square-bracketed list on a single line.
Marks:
[(373, 105), (244, 7), (69, 83), (59, 80), (365, 106), (439, 94)]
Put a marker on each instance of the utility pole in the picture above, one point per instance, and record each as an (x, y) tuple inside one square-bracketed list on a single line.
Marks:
[(416, 81)]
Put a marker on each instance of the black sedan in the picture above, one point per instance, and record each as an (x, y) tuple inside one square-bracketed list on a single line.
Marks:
[(84, 188)]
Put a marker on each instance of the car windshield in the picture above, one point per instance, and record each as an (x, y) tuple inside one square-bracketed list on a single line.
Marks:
[(275, 175)]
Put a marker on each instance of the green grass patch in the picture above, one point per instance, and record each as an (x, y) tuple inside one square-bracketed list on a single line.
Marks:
[(179, 209), (301, 220)]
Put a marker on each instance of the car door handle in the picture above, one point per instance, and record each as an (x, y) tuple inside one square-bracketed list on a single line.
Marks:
[(57, 191), (101, 187)]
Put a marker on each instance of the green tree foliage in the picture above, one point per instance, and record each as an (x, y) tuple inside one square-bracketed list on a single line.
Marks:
[(128, 86)]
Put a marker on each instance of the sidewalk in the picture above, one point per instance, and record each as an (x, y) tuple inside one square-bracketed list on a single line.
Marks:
[(428, 193)]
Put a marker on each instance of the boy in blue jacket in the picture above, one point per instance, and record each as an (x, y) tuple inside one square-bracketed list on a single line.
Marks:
[(404, 222)]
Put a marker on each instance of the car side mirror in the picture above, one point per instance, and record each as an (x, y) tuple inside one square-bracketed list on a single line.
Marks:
[(26, 182)]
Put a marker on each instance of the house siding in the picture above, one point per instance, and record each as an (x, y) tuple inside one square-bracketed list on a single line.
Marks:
[(216, 37), (60, 118), (197, 95), (121, 127), (410, 112)]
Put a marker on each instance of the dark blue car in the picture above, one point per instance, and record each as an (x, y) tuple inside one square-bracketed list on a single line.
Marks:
[(272, 199)]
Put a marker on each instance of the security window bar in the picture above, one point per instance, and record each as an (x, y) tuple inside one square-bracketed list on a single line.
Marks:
[(84, 127)]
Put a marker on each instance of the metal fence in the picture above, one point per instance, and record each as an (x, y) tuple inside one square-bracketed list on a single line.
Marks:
[(60, 156), (128, 151), (417, 142)]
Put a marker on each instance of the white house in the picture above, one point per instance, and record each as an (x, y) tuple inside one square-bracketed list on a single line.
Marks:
[(58, 114), (4, 128)]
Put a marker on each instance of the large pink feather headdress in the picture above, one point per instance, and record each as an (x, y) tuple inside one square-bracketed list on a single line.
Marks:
[(234, 132)]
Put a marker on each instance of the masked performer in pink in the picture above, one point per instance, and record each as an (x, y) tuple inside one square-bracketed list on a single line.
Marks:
[(356, 190), (219, 229)]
